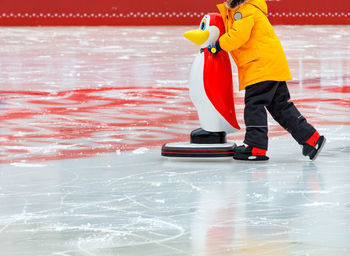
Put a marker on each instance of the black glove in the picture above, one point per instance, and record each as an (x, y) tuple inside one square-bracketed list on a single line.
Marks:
[(214, 48)]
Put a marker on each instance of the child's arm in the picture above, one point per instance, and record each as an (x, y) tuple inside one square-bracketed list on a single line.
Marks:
[(238, 34)]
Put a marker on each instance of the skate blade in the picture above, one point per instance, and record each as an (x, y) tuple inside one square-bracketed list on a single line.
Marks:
[(191, 150), (319, 150)]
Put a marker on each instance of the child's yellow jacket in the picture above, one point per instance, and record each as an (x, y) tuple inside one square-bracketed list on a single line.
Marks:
[(253, 44)]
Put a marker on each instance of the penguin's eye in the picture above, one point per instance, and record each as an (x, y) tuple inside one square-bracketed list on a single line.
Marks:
[(203, 25)]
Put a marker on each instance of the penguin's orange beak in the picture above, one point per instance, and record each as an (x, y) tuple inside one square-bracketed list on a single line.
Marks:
[(197, 36)]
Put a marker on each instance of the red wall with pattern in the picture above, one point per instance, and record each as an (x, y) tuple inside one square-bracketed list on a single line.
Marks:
[(159, 12)]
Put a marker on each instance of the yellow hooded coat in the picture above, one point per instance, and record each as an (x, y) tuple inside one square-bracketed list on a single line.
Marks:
[(253, 44)]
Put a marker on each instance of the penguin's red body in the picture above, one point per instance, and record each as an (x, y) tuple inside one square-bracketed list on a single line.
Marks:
[(218, 85)]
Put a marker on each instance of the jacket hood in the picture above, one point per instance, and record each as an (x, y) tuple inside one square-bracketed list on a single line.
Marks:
[(260, 4)]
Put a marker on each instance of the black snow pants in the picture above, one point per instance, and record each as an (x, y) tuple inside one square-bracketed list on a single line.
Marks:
[(274, 96)]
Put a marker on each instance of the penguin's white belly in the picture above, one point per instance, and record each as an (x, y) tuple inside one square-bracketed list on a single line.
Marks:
[(210, 119)]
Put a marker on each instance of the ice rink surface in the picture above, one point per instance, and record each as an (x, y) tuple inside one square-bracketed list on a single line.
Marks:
[(84, 112)]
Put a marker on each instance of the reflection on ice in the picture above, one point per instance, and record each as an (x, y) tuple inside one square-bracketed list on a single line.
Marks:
[(141, 203)]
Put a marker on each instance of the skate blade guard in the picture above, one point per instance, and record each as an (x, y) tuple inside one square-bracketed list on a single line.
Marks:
[(192, 150)]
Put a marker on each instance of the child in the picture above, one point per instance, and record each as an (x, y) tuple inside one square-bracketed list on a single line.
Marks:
[(262, 71)]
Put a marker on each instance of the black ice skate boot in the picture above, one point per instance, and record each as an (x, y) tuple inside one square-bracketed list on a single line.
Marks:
[(200, 136), (249, 154), (313, 146)]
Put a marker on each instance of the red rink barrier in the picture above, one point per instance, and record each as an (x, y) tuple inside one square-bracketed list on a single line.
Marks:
[(159, 12)]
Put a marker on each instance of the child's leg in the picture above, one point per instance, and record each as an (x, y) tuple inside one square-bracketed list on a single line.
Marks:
[(257, 97), (288, 116)]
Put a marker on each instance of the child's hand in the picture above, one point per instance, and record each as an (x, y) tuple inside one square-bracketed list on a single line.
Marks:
[(214, 48)]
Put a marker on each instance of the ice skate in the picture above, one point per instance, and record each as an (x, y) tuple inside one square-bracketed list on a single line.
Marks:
[(313, 146), (248, 153)]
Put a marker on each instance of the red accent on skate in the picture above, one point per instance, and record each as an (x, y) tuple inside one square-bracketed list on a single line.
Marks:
[(258, 152), (313, 139)]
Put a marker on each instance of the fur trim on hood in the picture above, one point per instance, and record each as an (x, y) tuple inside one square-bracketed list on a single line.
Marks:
[(233, 4)]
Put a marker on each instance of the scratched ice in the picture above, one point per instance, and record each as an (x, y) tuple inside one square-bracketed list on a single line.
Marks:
[(84, 112)]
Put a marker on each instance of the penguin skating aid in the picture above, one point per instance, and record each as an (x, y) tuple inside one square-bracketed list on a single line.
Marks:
[(211, 91)]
